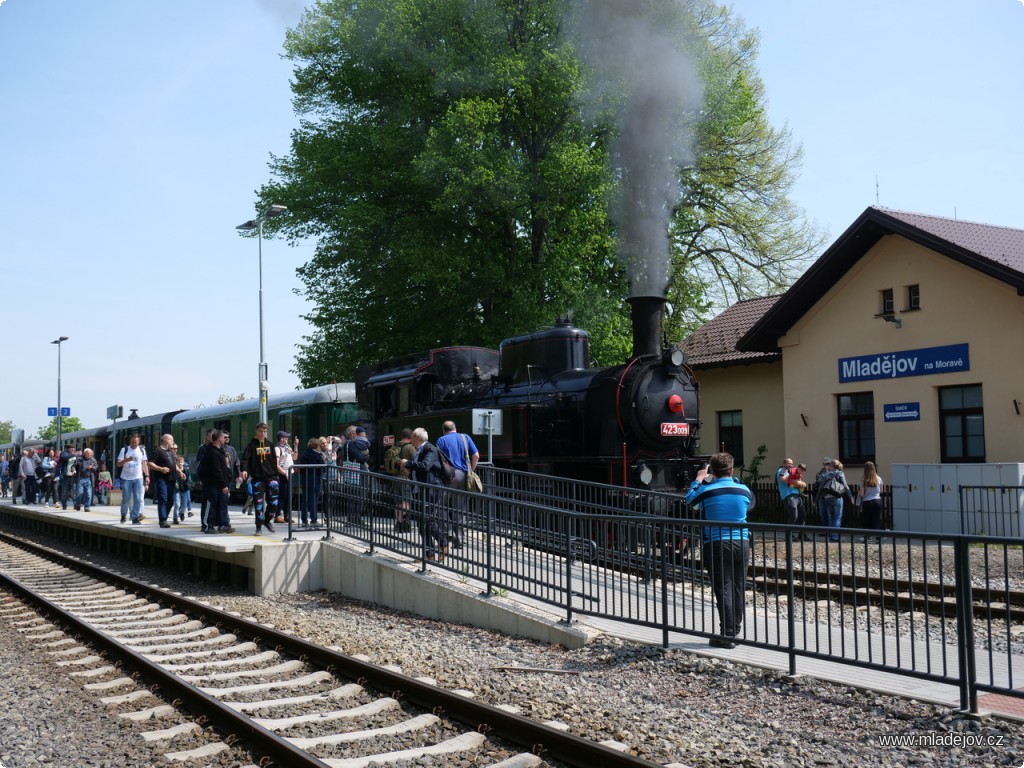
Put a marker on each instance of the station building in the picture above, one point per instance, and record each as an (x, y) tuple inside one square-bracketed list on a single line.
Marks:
[(902, 344)]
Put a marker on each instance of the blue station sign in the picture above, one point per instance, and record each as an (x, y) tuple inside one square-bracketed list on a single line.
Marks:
[(910, 362), (901, 411)]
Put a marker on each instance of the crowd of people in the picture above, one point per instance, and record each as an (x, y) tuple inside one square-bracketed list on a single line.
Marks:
[(72, 476), (266, 468), (831, 493)]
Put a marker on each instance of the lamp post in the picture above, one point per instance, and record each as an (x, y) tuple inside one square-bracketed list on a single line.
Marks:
[(60, 435), (257, 224)]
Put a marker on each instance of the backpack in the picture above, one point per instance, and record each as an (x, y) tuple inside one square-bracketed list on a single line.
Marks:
[(69, 470), (391, 457), (447, 470)]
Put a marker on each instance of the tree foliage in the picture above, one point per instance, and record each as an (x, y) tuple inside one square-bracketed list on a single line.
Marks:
[(6, 428), (67, 424), (460, 191)]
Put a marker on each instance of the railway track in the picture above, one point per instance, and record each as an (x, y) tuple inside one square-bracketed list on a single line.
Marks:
[(182, 666), (891, 592)]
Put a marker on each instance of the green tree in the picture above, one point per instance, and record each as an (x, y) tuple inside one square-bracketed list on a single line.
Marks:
[(458, 162), (6, 427), (67, 424), (442, 163)]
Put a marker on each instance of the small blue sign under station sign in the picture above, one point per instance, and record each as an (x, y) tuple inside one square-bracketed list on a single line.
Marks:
[(901, 411)]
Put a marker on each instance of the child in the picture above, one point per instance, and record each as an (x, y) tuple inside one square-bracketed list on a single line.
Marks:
[(103, 485), (182, 494), (796, 477)]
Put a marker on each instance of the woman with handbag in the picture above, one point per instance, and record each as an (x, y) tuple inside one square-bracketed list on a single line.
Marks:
[(831, 489)]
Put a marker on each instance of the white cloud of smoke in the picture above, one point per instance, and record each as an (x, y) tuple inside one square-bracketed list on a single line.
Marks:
[(637, 64)]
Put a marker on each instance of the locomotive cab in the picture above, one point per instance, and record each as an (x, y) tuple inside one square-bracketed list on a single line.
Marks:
[(544, 354)]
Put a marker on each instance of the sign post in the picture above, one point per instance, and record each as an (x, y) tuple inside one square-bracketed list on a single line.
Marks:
[(487, 421)]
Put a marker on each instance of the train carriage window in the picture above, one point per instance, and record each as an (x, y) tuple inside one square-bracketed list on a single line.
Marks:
[(291, 422), (404, 398)]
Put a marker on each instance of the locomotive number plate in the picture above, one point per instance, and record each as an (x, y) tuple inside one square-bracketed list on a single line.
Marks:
[(675, 429)]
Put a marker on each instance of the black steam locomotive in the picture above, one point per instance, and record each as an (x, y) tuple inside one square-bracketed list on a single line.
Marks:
[(635, 424)]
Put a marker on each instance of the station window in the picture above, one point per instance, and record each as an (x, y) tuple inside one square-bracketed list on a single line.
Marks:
[(730, 434), (886, 296), (913, 297), (962, 424), (857, 427)]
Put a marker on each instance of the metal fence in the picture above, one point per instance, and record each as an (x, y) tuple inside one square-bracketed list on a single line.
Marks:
[(922, 605), (994, 510)]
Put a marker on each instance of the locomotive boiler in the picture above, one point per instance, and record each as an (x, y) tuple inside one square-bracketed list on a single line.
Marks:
[(634, 424)]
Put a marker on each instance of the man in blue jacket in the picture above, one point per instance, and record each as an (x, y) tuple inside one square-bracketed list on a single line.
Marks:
[(726, 549)]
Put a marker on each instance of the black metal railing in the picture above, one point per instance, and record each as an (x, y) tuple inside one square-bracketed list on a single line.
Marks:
[(992, 510), (917, 604)]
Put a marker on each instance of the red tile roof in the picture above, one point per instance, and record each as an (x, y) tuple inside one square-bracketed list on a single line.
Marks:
[(994, 251), (714, 344), (1003, 245)]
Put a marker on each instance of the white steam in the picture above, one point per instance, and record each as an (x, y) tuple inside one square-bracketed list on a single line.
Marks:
[(638, 67)]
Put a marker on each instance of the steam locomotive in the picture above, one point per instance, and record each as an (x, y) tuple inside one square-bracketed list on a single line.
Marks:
[(634, 425)]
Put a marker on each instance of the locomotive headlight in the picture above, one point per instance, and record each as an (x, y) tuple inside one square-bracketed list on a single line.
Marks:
[(675, 404), (673, 357), (646, 475)]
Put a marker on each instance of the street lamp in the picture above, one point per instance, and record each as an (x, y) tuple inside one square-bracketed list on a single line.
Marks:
[(60, 435), (271, 212)]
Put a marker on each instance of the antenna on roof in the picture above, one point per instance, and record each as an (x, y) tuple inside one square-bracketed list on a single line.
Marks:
[(876, 189), (954, 212)]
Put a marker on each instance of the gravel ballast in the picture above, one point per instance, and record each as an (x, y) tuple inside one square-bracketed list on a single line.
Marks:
[(669, 706)]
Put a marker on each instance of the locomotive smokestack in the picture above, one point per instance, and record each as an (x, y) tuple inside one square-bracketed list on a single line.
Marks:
[(646, 315)]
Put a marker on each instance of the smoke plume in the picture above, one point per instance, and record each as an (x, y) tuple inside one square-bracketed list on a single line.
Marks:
[(639, 71)]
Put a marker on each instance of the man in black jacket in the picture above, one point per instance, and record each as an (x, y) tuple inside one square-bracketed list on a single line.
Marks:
[(216, 476), (259, 464), (426, 469)]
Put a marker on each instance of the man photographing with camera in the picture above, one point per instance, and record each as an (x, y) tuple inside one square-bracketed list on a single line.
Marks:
[(726, 548)]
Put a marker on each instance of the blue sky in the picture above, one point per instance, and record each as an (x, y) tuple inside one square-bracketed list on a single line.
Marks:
[(134, 135), (923, 95)]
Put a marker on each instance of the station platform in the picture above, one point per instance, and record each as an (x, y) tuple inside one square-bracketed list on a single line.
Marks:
[(273, 563)]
